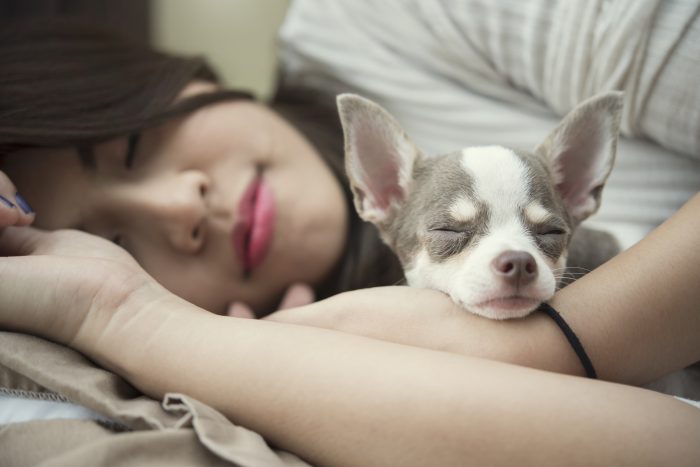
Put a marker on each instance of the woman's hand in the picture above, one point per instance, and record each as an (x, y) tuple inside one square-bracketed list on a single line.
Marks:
[(298, 294), (14, 210), (53, 283)]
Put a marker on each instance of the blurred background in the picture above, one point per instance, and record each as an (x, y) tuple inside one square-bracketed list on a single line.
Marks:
[(238, 36)]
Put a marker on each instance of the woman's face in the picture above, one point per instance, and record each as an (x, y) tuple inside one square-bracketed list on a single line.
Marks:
[(229, 203)]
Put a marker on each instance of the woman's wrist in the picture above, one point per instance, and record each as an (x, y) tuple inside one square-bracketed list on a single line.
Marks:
[(121, 324), (534, 341)]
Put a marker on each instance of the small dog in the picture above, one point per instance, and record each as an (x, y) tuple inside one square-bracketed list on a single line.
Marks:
[(489, 226)]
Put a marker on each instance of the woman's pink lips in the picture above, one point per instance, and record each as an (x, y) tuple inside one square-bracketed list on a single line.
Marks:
[(253, 232)]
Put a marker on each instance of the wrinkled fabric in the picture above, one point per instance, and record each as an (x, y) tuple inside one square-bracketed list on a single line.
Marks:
[(136, 430), (539, 54)]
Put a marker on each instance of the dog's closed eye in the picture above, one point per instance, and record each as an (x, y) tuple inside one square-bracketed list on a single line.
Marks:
[(445, 241), (449, 229), (551, 240), (551, 231)]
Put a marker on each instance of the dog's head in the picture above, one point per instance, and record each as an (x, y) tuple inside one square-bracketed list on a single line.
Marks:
[(489, 225)]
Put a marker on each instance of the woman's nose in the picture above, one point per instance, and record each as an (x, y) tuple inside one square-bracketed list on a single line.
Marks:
[(176, 206)]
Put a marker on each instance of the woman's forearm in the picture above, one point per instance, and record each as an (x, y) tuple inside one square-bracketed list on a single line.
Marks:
[(340, 399)]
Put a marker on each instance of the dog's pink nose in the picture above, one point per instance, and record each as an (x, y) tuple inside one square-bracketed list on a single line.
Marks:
[(517, 268)]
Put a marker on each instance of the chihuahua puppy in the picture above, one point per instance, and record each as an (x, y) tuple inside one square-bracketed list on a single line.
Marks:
[(489, 226)]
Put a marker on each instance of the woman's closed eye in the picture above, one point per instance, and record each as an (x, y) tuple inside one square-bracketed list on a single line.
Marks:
[(132, 145)]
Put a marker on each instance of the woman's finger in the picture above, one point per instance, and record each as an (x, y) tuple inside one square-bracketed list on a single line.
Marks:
[(14, 209), (26, 213), (240, 310), (297, 295), (9, 213)]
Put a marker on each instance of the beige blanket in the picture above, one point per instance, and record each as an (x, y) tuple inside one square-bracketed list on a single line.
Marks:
[(132, 429)]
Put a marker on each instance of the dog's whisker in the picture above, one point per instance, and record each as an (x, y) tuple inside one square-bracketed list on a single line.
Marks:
[(570, 274), (401, 281), (571, 268)]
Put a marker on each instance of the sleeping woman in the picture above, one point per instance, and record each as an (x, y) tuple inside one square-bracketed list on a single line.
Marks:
[(146, 210)]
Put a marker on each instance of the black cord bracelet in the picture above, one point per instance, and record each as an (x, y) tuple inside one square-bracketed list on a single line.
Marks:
[(571, 337)]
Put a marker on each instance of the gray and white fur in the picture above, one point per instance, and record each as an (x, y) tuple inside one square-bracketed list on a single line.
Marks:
[(489, 226)]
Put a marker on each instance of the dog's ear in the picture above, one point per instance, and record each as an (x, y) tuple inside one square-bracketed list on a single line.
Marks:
[(581, 152), (379, 157)]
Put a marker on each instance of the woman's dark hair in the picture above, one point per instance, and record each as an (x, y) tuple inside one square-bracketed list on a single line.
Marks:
[(69, 83)]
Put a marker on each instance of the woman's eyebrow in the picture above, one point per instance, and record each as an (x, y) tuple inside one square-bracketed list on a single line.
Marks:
[(86, 155)]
